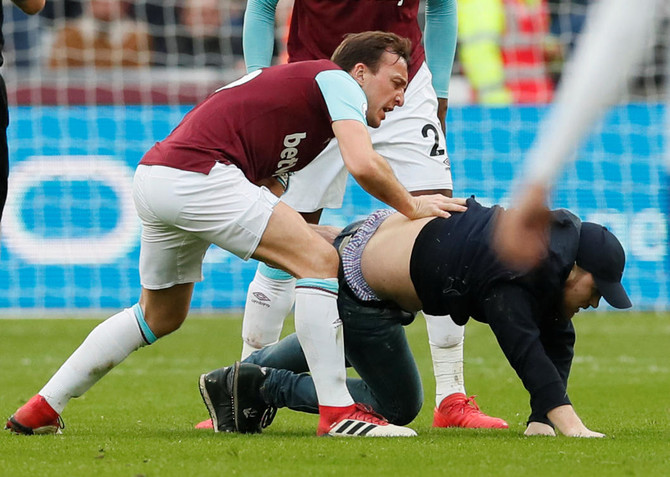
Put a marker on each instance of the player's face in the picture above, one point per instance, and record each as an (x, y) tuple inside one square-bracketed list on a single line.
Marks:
[(580, 293), (384, 90)]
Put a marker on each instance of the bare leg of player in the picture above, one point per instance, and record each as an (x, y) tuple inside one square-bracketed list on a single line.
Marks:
[(292, 245)]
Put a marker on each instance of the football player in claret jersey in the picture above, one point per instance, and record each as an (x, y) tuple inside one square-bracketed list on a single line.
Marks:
[(202, 186), (412, 140)]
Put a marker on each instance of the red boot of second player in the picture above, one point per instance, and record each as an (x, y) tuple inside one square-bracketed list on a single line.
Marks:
[(457, 410)]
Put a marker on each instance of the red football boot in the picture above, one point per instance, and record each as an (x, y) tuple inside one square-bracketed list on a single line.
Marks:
[(357, 420), (457, 410), (35, 417)]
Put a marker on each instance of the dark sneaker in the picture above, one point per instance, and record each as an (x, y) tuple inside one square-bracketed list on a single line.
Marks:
[(250, 411), (35, 417), (216, 392)]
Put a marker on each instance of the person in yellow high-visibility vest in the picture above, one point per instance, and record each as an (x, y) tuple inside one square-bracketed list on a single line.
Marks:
[(502, 49), (481, 24)]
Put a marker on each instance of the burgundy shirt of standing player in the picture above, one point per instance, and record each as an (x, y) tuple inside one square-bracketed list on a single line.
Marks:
[(336, 18), (269, 123)]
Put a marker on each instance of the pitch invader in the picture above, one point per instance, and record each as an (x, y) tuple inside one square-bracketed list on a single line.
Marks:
[(412, 140), (205, 184), (392, 267)]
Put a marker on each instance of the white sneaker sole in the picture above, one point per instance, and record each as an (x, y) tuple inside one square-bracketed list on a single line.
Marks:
[(208, 402), (355, 428)]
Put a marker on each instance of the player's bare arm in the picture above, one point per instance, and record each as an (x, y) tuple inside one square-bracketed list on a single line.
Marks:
[(374, 175), (442, 107)]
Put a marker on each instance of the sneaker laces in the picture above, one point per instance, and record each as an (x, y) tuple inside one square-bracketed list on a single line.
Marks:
[(471, 402), (365, 413), (464, 405)]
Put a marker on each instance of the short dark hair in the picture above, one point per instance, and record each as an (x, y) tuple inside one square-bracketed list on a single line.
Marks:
[(368, 47)]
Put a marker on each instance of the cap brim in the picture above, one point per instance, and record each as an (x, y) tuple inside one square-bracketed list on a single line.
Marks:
[(614, 294)]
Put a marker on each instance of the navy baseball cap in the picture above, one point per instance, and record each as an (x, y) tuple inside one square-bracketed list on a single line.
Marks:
[(601, 254)]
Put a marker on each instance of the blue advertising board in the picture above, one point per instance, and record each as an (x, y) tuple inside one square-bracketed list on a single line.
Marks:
[(70, 235)]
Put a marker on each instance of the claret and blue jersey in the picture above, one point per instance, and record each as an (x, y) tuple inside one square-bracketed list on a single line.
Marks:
[(336, 18), (271, 122)]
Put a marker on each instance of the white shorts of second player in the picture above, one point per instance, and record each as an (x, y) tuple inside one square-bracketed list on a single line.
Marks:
[(183, 213), (410, 139)]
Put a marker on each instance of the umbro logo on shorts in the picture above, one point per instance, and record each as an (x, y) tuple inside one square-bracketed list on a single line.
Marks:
[(351, 427)]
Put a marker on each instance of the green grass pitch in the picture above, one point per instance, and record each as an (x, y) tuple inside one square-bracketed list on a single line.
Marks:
[(138, 421)]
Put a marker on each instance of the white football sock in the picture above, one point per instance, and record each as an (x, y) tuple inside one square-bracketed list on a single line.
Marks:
[(319, 330), (106, 346), (269, 299), (446, 347)]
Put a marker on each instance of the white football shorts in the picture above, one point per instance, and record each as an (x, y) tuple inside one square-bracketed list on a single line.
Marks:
[(410, 138), (183, 212)]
